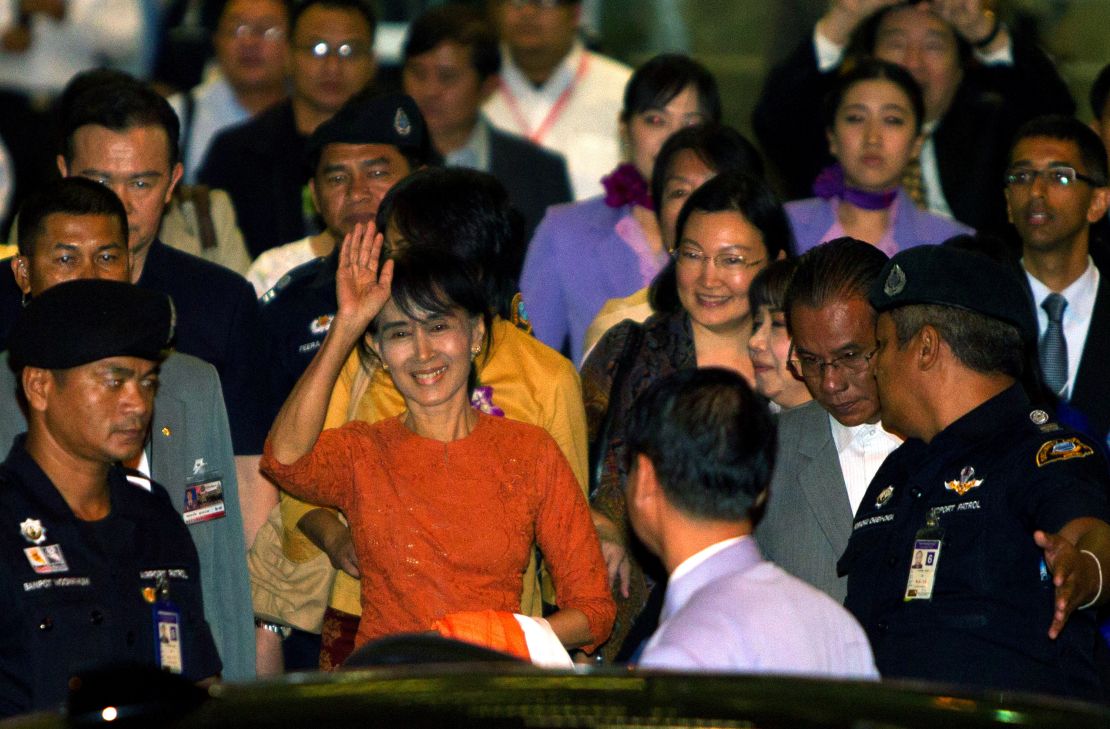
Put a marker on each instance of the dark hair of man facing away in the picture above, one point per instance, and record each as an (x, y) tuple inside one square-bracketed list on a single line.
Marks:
[(843, 268), (361, 7), (711, 440), (457, 24), (1069, 129), (67, 196), (466, 213), (117, 102)]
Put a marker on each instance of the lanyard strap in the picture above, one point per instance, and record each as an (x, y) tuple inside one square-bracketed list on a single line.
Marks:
[(536, 135)]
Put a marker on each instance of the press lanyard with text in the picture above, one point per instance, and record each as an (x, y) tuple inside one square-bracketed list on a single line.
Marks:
[(537, 134)]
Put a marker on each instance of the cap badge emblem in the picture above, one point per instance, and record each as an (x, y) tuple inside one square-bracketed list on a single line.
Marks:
[(401, 123), (895, 281), (33, 531)]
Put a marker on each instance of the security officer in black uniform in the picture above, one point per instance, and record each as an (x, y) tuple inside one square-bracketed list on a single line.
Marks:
[(1007, 509), (355, 157), (94, 571)]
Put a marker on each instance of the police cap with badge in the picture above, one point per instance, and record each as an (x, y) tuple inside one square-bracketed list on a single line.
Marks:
[(964, 279), (78, 322), (385, 119), (950, 276)]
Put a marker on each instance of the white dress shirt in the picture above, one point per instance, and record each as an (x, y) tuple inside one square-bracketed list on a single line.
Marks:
[(573, 113), (474, 155), (93, 33), (215, 108), (862, 449), (1080, 294)]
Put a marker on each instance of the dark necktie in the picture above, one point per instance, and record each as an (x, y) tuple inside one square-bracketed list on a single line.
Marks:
[(1053, 348)]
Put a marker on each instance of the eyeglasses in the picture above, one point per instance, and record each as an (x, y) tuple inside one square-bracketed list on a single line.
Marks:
[(343, 51), (812, 368), (272, 33), (728, 262), (1058, 176)]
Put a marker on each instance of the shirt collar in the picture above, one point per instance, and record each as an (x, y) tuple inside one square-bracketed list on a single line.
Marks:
[(984, 418), (697, 571), (690, 563), (474, 154), (844, 435), (1080, 293)]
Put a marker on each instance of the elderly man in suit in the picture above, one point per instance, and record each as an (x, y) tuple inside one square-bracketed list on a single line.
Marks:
[(828, 449), (77, 229), (726, 608)]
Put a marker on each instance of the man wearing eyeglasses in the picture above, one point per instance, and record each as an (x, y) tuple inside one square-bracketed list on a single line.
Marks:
[(830, 448), (252, 51), (1055, 189), (260, 163), (1008, 508)]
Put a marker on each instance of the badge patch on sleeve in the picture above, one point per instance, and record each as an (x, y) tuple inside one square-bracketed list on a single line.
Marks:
[(1061, 449)]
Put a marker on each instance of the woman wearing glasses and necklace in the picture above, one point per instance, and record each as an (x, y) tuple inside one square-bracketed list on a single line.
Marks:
[(728, 231)]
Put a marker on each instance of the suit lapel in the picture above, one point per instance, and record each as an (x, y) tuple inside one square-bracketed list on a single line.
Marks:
[(167, 449), (822, 481), (1091, 393)]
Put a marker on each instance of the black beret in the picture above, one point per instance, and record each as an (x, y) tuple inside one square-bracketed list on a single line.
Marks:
[(386, 119), (78, 322), (956, 277)]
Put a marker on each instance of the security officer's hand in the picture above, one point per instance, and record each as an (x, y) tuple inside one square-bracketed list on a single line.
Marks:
[(1073, 573), (360, 288)]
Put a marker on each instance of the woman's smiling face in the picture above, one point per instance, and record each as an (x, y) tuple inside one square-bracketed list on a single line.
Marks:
[(718, 255), (428, 355)]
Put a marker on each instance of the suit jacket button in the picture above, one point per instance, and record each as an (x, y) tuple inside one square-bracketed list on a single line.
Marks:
[(47, 623)]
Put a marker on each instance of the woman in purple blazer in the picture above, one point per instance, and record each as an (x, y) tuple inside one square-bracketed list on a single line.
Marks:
[(873, 119), (586, 253)]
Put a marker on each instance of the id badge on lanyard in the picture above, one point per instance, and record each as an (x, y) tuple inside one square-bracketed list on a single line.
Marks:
[(167, 629), (927, 544)]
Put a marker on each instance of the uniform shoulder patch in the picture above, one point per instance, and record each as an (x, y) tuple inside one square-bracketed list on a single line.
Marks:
[(1062, 449)]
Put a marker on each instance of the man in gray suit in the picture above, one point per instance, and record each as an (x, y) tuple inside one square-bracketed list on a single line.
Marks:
[(828, 449), (75, 228)]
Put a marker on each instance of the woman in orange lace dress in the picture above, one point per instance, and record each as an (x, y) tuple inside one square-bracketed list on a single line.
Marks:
[(445, 502)]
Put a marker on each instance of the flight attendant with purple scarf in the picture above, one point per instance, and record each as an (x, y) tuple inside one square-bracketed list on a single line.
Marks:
[(586, 253), (873, 119)]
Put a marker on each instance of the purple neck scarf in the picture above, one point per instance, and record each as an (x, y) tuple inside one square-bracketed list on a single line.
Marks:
[(830, 183), (626, 185)]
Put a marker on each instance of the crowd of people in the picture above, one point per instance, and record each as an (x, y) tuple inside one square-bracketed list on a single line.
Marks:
[(532, 351)]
